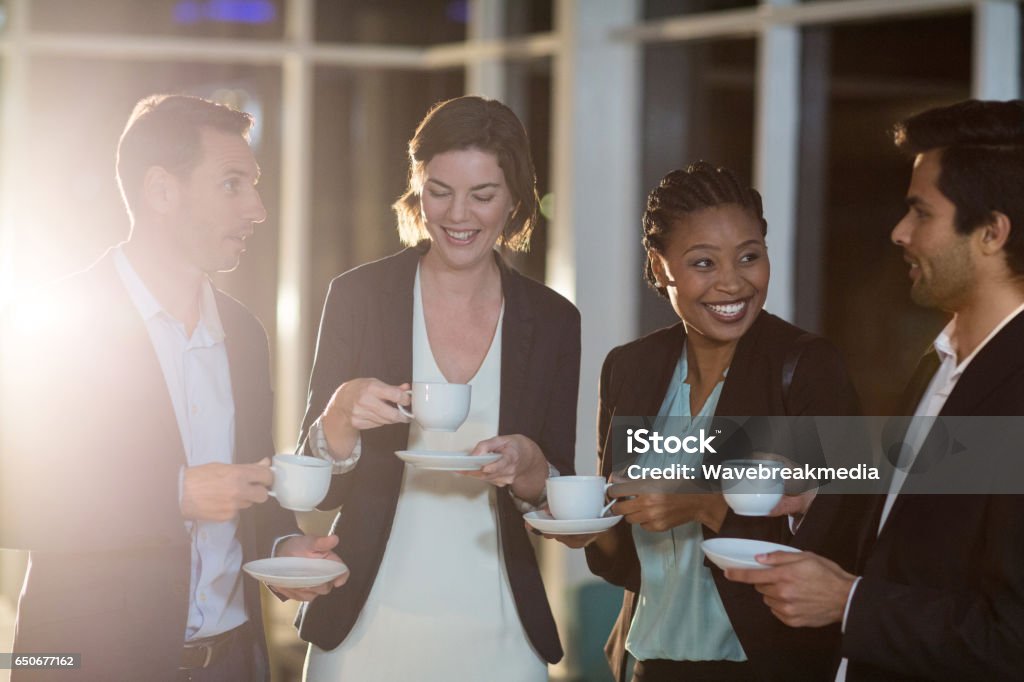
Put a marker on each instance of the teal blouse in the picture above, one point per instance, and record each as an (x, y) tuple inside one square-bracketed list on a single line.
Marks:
[(679, 615)]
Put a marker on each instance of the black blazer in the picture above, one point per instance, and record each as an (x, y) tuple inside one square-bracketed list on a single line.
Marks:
[(942, 593), (90, 454), (634, 381), (366, 331)]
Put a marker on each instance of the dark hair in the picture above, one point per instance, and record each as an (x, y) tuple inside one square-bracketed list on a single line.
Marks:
[(682, 192), (981, 158), (164, 130), (473, 123)]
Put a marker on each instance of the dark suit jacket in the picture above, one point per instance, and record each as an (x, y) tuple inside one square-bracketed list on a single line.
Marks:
[(89, 479), (634, 381), (942, 593), (366, 331)]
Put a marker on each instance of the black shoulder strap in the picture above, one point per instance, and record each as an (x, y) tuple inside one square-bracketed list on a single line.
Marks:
[(792, 360)]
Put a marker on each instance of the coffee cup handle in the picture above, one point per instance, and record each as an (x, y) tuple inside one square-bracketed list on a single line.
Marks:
[(406, 413), (604, 510), (270, 492)]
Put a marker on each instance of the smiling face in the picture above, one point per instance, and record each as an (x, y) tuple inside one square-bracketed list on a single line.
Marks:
[(217, 203), (465, 203), (940, 258), (715, 269)]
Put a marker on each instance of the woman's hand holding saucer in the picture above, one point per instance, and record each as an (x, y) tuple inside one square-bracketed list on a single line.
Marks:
[(657, 512), (310, 547), (522, 465), (571, 541), (604, 538)]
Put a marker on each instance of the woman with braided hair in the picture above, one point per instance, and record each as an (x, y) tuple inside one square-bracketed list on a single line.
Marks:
[(704, 233)]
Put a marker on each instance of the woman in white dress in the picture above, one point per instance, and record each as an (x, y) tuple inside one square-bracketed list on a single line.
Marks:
[(444, 584)]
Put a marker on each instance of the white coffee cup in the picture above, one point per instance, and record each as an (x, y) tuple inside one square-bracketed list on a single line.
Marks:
[(300, 483), (754, 495), (575, 498), (438, 406)]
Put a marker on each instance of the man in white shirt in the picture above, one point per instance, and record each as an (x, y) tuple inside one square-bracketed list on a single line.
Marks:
[(941, 591), (137, 426)]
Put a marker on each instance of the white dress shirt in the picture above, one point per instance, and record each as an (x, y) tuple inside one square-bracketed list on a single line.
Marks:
[(934, 399), (198, 379)]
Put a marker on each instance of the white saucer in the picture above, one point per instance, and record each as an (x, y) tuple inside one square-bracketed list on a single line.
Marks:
[(287, 571), (544, 522), (739, 553), (442, 460)]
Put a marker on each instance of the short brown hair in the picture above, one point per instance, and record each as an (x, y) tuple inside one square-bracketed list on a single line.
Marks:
[(473, 123), (164, 130), (981, 156)]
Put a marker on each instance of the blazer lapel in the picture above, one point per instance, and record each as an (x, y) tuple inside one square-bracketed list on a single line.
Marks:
[(148, 412), (395, 325), (236, 360), (644, 384), (137, 359), (516, 344), (243, 387), (997, 361), (396, 318), (640, 392), (919, 380), (918, 384), (994, 364), (736, 390)]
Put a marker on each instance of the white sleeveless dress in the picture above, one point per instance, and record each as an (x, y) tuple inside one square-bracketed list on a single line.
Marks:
[(441, 608)]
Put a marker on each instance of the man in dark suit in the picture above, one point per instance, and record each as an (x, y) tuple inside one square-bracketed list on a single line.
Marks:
[(941, 594), (136, 437)]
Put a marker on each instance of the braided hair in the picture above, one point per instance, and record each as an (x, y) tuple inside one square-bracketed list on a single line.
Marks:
[(682, 192)]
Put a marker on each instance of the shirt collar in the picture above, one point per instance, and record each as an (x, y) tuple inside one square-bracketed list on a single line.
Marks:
[(149, 307), (208, 315), (944, 342)]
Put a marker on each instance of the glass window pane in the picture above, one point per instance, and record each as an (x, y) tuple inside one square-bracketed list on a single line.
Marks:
[(859, 80), (261, 19), (528, 93), (529, 16), (392, 22), (659, 9), (363, 120), (698, 103)]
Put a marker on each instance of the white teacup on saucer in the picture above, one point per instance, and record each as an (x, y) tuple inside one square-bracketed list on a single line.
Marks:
[(757, 493), (545, 523), (573, 498), (438, 406)]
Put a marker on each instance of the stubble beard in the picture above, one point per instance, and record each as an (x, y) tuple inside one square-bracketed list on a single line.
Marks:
[(948, 280)]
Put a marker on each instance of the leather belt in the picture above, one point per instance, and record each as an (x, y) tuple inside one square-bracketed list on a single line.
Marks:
[(202, 653)]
